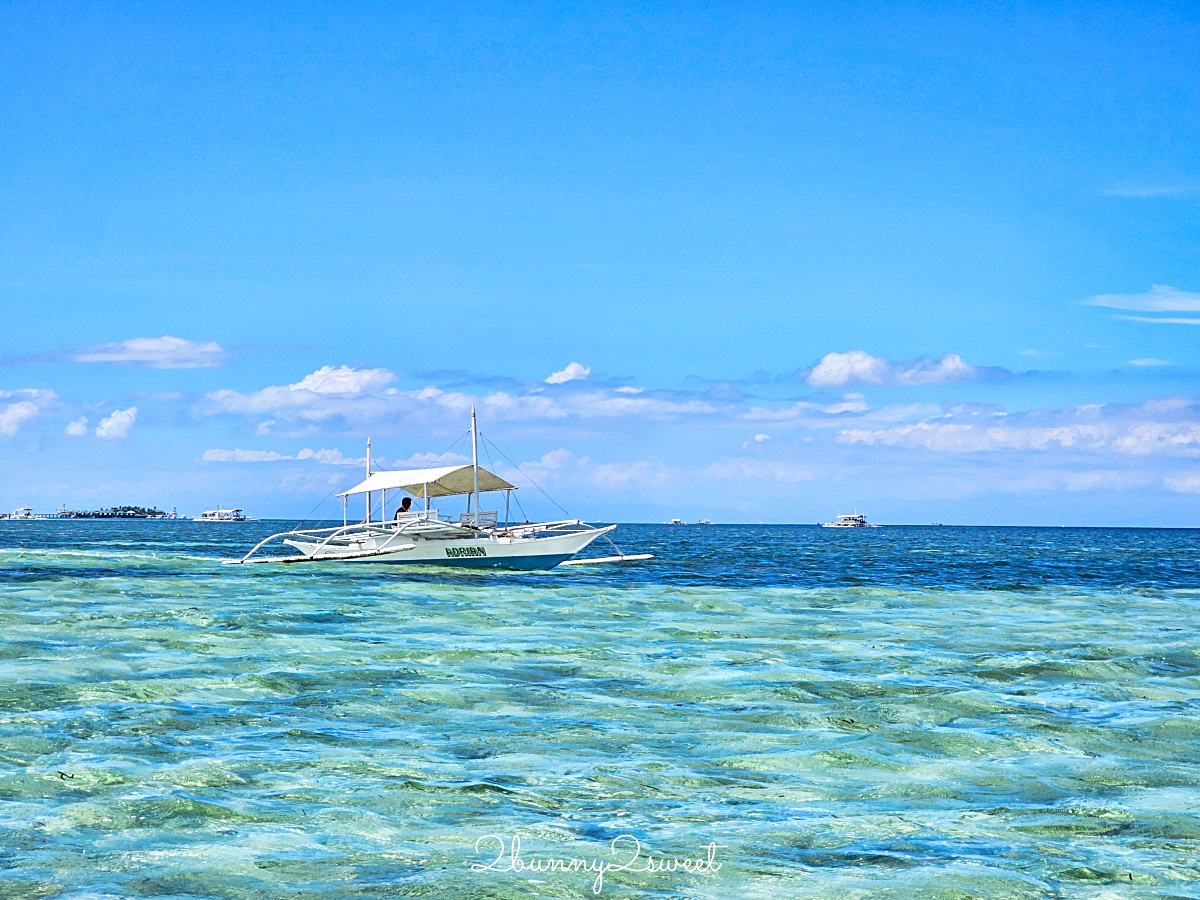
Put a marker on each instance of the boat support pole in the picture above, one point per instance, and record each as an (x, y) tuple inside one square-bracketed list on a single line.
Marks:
[(368, 519), (475, 462)]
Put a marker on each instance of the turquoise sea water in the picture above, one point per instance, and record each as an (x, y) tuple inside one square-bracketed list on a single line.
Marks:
[(899, 712)]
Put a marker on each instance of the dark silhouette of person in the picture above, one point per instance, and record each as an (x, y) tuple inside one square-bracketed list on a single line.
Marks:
[(404, 507)]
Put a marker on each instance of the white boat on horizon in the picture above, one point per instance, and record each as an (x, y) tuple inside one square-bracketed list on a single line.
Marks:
[(476, 539), (237, 514), (855, 520)]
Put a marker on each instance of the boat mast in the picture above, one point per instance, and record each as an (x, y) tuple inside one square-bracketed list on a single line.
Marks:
[(368, 475), (475, 462)]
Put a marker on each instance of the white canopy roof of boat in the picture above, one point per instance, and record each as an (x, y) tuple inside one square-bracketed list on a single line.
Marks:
[(442, 482)]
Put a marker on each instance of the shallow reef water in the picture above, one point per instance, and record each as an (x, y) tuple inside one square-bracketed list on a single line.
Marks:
[(893, 712)]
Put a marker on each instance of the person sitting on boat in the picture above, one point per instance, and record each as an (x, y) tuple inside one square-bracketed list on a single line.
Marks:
[(404, 507)]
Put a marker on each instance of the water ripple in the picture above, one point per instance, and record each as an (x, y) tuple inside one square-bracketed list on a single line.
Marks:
[(910, 712)]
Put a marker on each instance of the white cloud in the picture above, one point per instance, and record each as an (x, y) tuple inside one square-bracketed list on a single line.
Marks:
[(629, 389), (855, 366), (78, 428), (165, 352), (1149, 361), (950, 367), (14, 415), (860, 367), (326, 393), (557, 459), (118, 424), (757, 439), (573, 372), (332, 458), (28, 402), (1160, 298), (1183, 483), (343, 380), (1175, 438), (242, 456)]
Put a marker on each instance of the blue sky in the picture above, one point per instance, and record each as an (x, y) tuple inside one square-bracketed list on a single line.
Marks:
[(939, 262)]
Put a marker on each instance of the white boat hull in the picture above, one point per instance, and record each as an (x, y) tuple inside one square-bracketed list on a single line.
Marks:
[(478, 551)]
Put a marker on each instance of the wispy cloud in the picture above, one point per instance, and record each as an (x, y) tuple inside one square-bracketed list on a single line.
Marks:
[(40, 397), (860, 367), (1183, 483), (1167, 426), (363, 395), (1149, 361), (1160, 298), (165, 352), (740, 467), (332, 457), (561, 466), (1137, 192), (242, 456), (78, 427), (851, 403), (1159, 321)]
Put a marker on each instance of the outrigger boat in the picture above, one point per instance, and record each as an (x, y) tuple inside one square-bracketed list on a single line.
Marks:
[(424, 537)]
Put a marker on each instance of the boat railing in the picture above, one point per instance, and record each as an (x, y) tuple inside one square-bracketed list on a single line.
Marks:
[(561, 526), (357, 532), (478, 520)]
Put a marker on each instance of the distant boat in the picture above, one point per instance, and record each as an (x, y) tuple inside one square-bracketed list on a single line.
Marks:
[(704, 522), (675, 522), (223, 515), (114, 512), (857, 520), (26, 514)]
